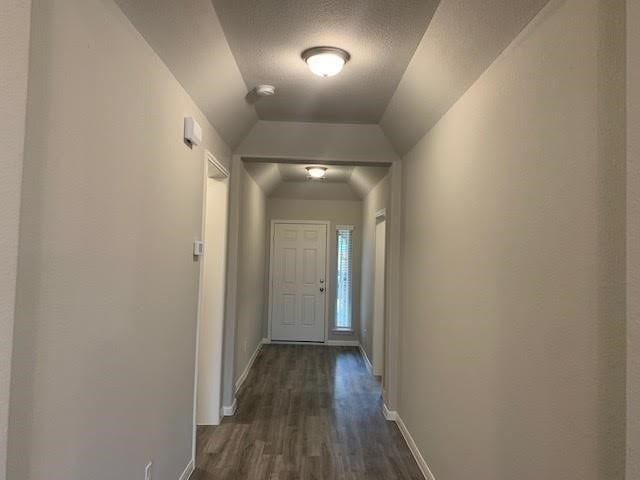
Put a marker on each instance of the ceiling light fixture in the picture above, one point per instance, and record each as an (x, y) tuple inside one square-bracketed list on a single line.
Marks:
[(265, 90), (325, 61), (316, 173)]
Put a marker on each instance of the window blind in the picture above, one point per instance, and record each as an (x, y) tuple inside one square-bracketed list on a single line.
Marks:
[(344, 274)]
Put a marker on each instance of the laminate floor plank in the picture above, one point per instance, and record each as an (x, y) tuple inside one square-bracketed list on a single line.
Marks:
[(304, 413)]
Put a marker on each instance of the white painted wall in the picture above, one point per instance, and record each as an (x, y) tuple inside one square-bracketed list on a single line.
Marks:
[(107, 289), (15, 25), (212, 303), (317, 141), (633, 239), (379, 298), (188, 37), (337, 212), (251, 270), (513, 337), (377, 199)]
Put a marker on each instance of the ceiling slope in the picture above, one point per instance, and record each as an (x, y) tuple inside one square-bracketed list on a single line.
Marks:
[(321, 142), (188, 37), (463, 39), (289, 180), (268, 36)]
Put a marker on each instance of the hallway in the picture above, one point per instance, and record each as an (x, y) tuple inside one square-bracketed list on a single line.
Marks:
[(321, 418), (220, 218)]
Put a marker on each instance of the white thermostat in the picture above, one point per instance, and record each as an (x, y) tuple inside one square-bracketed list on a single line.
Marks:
[(192, 131), (198, 248)]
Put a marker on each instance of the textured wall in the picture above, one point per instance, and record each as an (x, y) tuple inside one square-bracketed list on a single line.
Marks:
[(513, 262), (338, 213), (251, 258), (107, 285), (633, 239), (14, 49), (377, 199)]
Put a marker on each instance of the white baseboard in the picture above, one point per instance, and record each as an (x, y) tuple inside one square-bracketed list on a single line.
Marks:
[(422, 464), (366, 360), (343, 343), (246, 370), (191, 466), (328, 343), (229, 410), (390, 415)]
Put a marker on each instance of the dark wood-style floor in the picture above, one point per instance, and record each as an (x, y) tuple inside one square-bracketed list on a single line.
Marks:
[(306, 412)]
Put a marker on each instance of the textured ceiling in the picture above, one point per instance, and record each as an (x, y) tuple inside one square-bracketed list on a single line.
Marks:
[(187, 36), (289, 180), (196, 41), (268, 36), (463, 39)]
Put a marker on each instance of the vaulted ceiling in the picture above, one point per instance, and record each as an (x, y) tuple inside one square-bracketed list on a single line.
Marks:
[(411, 59), (290, 180), (267, 38)]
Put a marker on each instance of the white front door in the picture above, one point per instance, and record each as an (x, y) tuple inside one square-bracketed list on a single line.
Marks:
[(298, 268)]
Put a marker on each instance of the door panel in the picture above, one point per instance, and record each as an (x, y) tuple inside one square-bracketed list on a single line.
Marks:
[(298, 282)]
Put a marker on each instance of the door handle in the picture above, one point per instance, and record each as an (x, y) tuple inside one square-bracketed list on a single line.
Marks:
[(322, 289)]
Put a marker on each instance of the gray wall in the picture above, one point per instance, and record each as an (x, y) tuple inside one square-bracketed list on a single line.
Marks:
[(338, 212), (633, 239), (251, 258), (513, 338), (104, 348), (377, 199), (15, 23)]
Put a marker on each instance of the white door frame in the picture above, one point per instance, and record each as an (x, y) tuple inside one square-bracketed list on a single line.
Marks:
[(327, 275), (212, 168)]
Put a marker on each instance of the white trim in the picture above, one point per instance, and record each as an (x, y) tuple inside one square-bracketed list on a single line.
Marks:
[(393, 416), (343, 331), (382, 213), (229, 410), (191, 466), (422, 464), (342, 343), (328, 343), (368, 363), (245, 372), (327, 269), (346, 227), (219, 170), (390, 415)]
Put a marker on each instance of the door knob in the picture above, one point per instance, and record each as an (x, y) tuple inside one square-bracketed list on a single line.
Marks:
[(322, 289)]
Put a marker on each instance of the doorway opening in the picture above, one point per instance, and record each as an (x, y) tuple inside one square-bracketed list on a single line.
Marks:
[(211, 301)]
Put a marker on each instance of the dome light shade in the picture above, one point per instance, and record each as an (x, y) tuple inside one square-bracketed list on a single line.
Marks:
[(325, 61), (316, 172)]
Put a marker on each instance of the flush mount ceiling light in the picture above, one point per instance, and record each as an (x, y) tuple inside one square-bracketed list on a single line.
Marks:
[(265, 90), (325, 61), (316, 173)]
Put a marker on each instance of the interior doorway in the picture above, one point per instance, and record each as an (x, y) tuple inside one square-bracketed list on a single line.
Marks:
[(211, 293), (379, 294), (297, 300)]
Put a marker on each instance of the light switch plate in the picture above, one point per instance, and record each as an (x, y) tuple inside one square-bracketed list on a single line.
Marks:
[(198, 248)]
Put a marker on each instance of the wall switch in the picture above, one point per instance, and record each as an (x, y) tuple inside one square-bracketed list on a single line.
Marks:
[(147, 471), (198, 248)]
